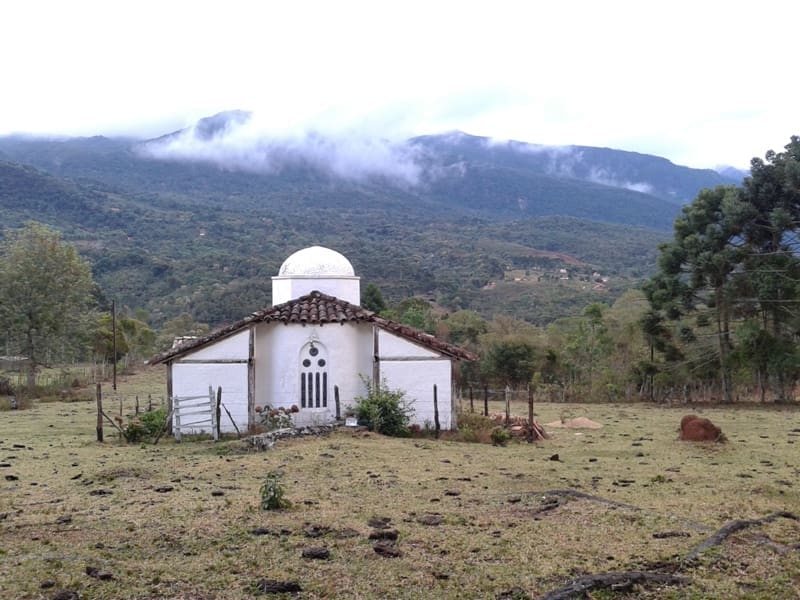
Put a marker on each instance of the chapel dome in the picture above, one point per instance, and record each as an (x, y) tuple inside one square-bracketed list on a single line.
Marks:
[(316, 261)]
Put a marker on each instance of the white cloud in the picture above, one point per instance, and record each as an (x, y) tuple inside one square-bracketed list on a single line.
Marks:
[(245, 144), (701, 83), (598, 175)]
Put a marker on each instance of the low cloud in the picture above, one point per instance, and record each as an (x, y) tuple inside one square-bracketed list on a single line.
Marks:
[(236, 141), (604, 177), (570, 162)]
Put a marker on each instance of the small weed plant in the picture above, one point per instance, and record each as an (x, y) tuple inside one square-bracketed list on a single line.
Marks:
[(273, 493), (383, 410)]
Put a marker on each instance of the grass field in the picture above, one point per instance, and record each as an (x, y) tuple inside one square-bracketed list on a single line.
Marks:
[(183, 520)]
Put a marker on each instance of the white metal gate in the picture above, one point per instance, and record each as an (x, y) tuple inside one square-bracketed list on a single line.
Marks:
[(192, 413)]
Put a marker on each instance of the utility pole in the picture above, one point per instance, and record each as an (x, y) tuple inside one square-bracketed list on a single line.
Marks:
[(114, 344)]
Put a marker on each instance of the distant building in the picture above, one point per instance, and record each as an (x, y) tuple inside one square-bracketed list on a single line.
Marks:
[(314, 341)]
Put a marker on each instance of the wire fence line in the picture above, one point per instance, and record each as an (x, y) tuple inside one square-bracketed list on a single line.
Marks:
[(62, 379)]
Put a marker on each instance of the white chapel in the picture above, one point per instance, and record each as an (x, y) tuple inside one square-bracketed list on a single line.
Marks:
[(314, 344)]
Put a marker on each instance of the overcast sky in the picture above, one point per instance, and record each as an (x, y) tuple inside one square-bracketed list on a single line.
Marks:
[(702, 83)]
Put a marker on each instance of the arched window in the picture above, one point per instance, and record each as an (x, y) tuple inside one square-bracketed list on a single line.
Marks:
[(313, 376)]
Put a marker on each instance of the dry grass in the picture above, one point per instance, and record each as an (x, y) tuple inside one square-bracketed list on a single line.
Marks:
[(195, 540)]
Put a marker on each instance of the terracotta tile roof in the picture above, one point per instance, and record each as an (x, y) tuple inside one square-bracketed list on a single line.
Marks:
[(316, 308)]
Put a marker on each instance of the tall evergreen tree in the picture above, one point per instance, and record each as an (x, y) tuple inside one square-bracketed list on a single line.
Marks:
[(696, 269), (773, 191)]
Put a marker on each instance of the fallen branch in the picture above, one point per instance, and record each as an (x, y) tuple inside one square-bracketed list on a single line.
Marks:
[(733, 527), (577, 588), (238, 433), (578, 495), (625, 580), (775, 546)]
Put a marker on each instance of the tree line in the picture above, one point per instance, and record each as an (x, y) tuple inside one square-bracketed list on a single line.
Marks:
[(718, 320)]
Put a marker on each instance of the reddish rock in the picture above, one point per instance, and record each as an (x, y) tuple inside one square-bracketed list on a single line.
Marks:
[(686, 419), (699, 429)]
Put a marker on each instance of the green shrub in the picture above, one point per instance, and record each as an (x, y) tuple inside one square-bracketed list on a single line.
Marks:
[(153, 421), (500, 436), (273, 493), (383, 410), (146, 425)]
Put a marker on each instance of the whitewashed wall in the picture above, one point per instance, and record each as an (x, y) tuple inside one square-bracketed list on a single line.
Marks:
[(193, 380), (235, 347), (417, 378), (393, 346), (279, 351), (288, 288)]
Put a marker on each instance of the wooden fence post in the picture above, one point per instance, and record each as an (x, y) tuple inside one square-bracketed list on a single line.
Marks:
[(336, 398), (530, 414), (486, 400), (99, 396), (219, 413), (471, 401), (137, 405), (507, 391), (436, 412)]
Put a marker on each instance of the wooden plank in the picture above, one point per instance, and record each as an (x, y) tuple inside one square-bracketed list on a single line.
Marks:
[(411, 358), (181, 399), (192, 424), (190, 413), (212, 361)]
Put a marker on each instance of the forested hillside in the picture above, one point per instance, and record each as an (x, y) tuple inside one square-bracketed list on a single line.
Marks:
[(184, 235), (194, 235)]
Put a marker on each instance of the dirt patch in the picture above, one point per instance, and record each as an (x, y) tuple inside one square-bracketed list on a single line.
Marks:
[(576, 423)]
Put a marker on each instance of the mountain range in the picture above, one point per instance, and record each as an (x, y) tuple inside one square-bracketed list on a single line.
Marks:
[(198, 220)]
